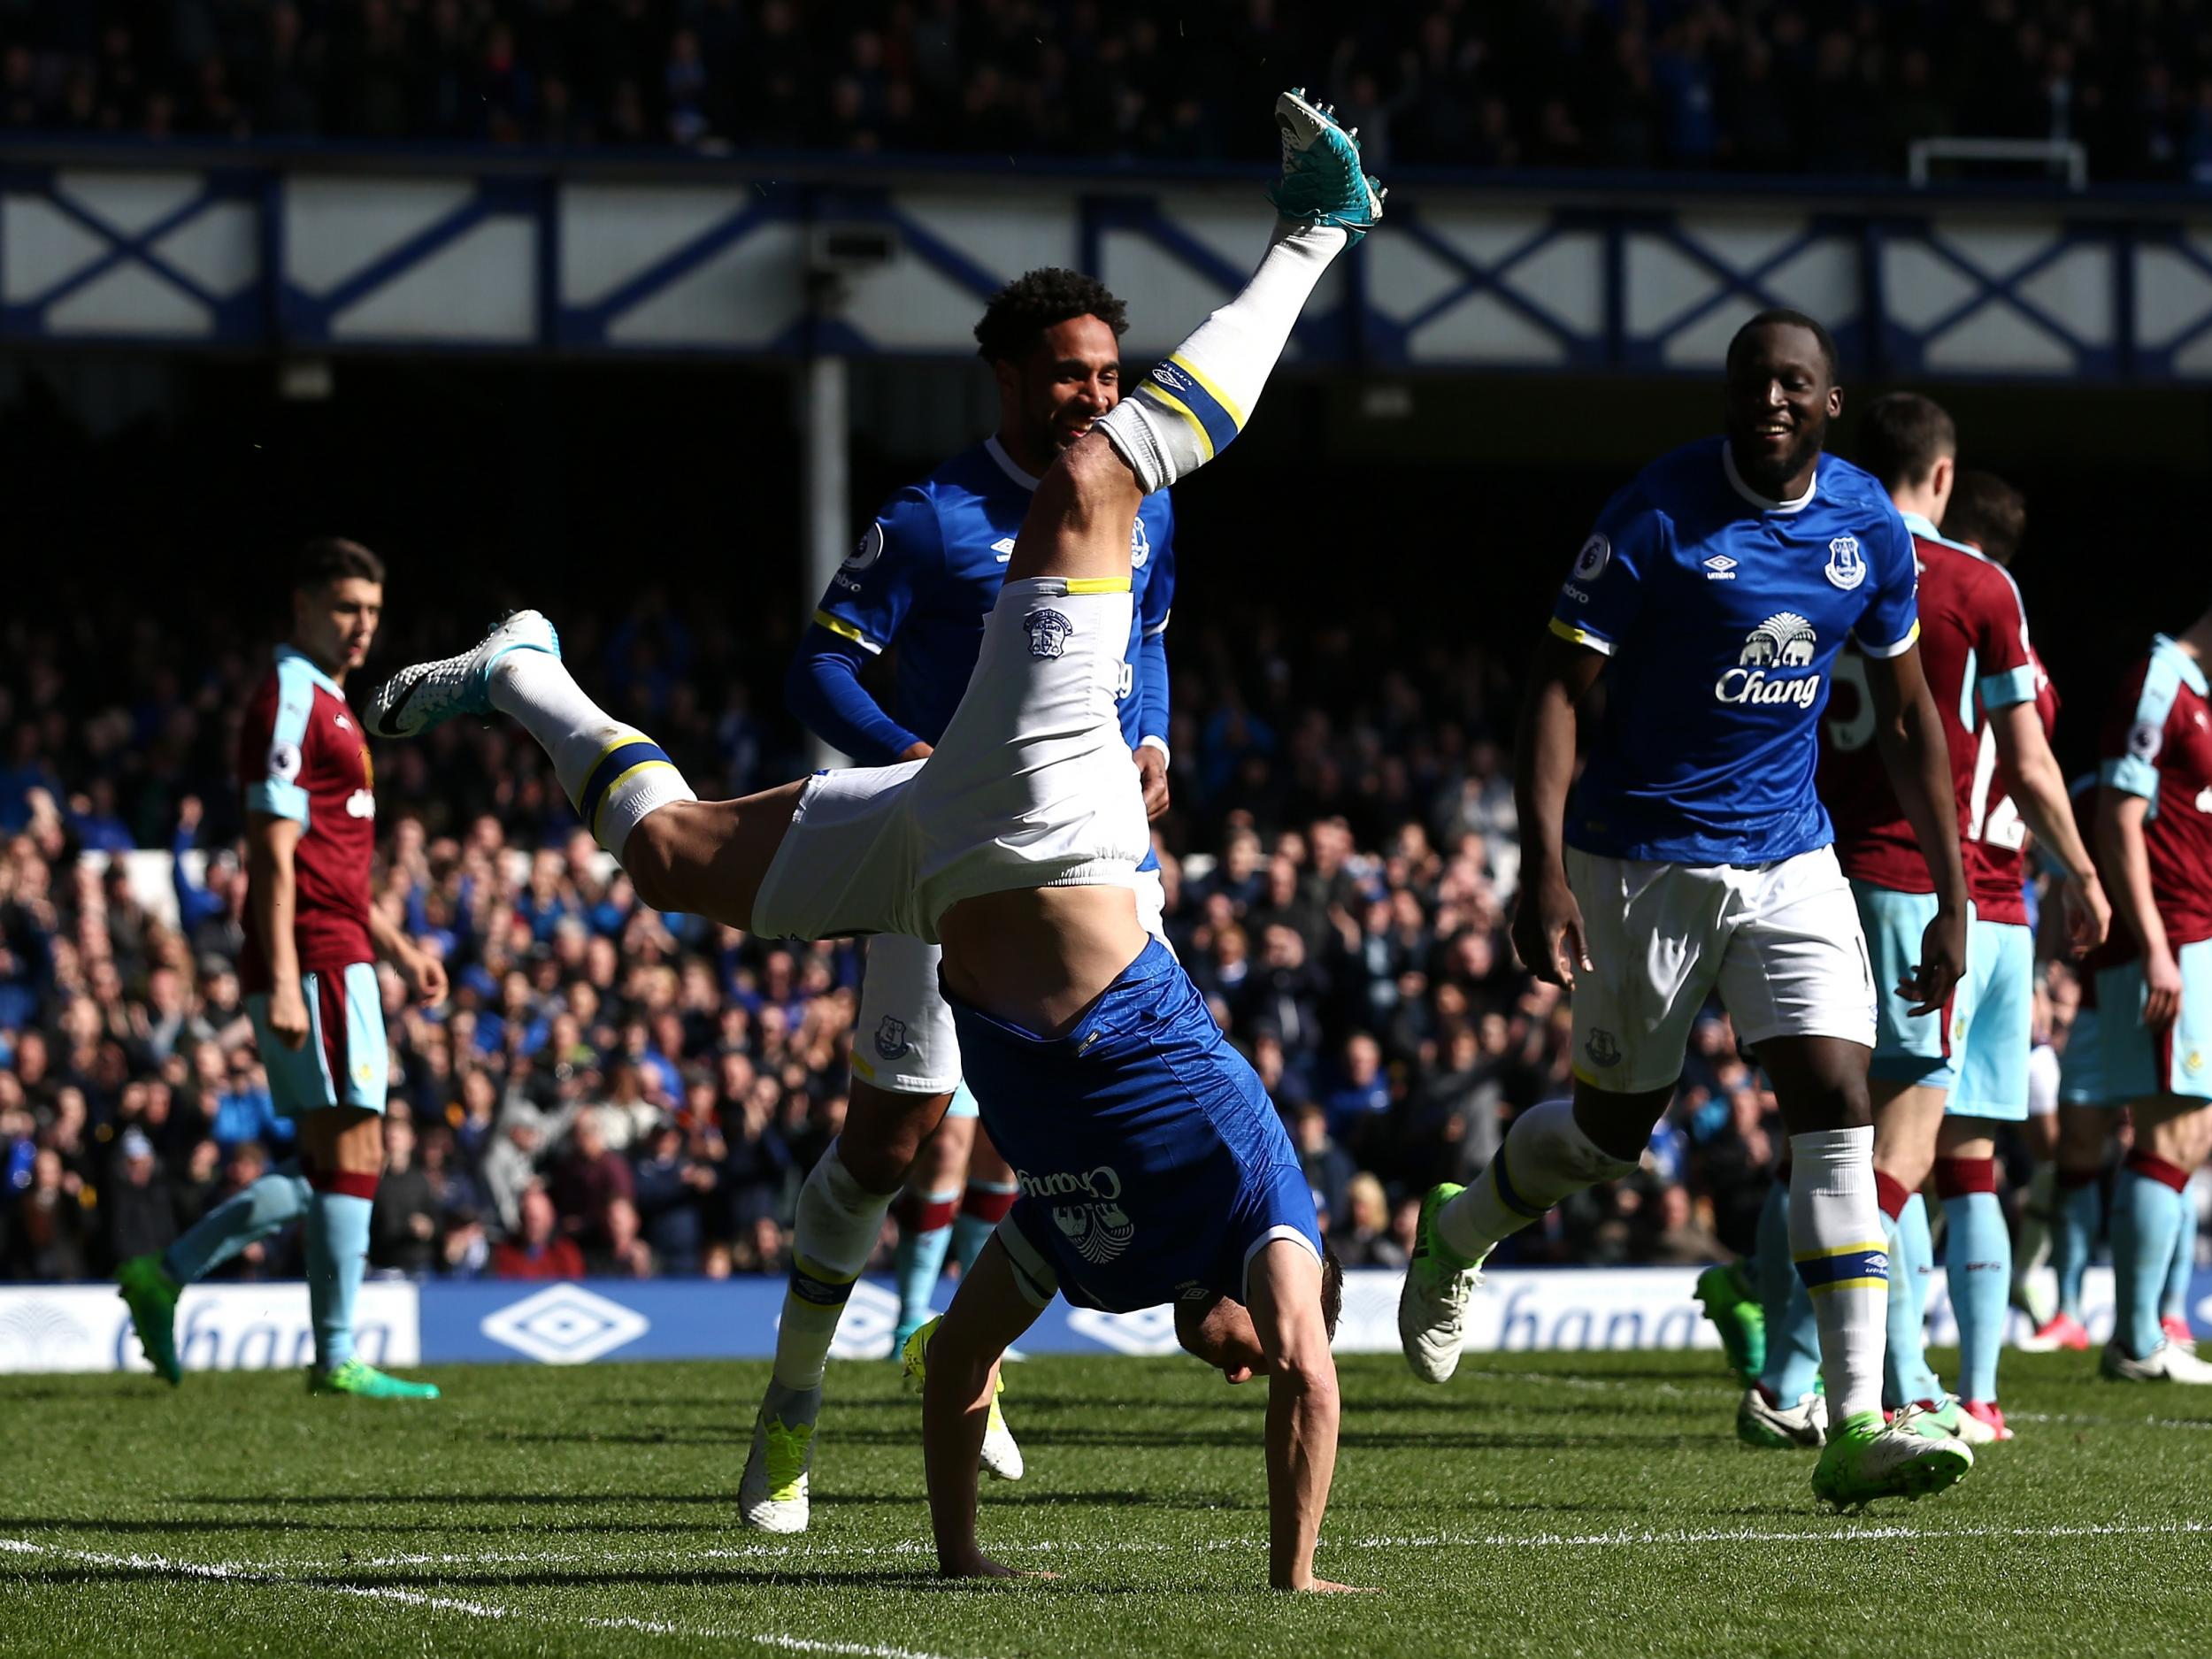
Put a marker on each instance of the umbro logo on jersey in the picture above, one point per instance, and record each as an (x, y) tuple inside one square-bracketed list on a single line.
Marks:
[(1720, 568), (1784, 641), (1003, 548)]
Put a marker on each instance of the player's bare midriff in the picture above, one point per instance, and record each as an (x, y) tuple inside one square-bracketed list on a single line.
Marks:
[(1036, 957)]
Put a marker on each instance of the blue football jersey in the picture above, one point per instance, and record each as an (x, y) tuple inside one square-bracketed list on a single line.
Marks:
[(1722, 614), (928, 570)]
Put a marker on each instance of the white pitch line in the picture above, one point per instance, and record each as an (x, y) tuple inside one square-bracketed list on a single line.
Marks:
[(164, 1566)]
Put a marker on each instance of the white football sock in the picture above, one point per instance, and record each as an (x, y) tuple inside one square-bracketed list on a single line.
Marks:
[(1546, 1158), (1187, 410), (835, 1232), (614, 775), (1837, 1240)]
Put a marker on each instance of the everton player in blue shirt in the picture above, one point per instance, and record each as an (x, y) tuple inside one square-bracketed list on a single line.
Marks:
[(924, 577), (1694, 858)]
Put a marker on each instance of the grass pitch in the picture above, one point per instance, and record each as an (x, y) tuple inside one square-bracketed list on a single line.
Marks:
[(1550, 1505)]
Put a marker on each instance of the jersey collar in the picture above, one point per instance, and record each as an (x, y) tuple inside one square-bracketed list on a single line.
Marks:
[(1736, 483), (1006, 462), (1920, 524), (2188, 667), (293, 654)]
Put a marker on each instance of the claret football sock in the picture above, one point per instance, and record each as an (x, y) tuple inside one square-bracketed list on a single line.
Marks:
[(613, 774)]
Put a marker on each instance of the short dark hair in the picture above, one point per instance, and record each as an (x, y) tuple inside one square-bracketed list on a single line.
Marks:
[(1782, 316), (332, 558), (1331, 1290), (1902, 435), (1989, 512), (1037, 300)]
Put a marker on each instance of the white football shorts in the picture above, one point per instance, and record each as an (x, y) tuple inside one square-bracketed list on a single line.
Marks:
[(1029, 786), (1780, 942)]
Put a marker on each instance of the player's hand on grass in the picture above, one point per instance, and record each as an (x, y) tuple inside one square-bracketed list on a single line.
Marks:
[(2088, 912), (1323, 1586), (1942, 964), (981, 1566), (2162, 981), (287, 1015), (1152, 770), (1547, 930)]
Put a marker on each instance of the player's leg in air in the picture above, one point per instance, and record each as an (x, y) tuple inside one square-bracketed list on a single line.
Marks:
[(883, 852), (151, 1284), (331, 1185)]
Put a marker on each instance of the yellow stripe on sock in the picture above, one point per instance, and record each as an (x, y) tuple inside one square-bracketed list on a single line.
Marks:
[(620, 778), (584, 776), (1098, 585), (1841, 1250), (1848, 1284), (1228, 407), (1176, 404)]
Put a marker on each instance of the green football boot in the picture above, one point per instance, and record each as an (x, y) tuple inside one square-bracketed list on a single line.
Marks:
[(358, 1378), (151, 1296)]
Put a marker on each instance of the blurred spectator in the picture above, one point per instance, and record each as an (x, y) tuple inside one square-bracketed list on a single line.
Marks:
[(1363, 1238), (537, 1249), (404, 1227)]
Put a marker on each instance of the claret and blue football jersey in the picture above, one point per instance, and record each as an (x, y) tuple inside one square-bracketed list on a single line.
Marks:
[(928, 570), (1722, 613)]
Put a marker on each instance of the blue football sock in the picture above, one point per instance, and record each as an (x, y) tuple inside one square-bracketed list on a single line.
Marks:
[(1906, 1376), (2146, 1221), (2175, 1303), (1920, 1254), (920, 1259), (1978, 1265), (337, 1255), (2073, 1235), (279, 1197), (981, 1209), (1793, 1364)]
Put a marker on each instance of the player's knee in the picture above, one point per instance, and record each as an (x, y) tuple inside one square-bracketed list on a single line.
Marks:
[(1089, 478), (648, 858)]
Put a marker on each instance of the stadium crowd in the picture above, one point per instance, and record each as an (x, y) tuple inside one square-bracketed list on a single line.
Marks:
[(1776, 85), (613, 1090)]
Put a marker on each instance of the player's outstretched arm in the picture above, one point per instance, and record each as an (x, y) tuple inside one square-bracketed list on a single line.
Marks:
[(987, 1315), (1546, 921), (1910, 734), (1283, 1284), (2039, 791)]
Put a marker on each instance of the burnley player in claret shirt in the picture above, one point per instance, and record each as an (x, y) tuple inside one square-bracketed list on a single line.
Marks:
[(309, 972)]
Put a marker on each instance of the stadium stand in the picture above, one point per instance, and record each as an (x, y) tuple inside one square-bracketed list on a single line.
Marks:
[(1765, 86)]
